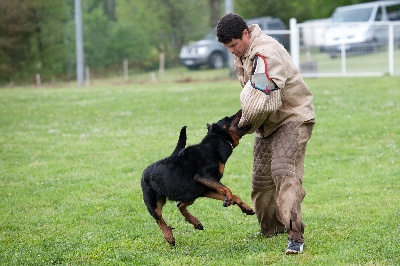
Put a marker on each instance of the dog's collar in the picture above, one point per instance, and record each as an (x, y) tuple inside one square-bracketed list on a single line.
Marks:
[(230, 144)]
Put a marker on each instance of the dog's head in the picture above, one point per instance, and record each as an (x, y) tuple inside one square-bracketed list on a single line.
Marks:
[(229, 128)]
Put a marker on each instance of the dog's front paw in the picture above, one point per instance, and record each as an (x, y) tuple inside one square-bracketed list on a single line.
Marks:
[(250, 212), (246, 209), (227, 202)]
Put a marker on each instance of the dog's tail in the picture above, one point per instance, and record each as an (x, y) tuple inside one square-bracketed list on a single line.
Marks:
[(181, 142)]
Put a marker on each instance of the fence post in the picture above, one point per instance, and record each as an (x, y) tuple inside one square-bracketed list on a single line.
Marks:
[(87, 75), (295, 42), (126, 71), (391, 50), (343, 57), (79, 43), (38, 80), (161, 64)]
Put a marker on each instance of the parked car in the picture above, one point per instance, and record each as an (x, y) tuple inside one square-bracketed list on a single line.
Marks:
[(354, 27), (270, 24), (313, 32), (209, 52)]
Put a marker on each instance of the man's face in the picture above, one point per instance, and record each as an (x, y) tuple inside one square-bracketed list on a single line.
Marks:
[(238, 47)]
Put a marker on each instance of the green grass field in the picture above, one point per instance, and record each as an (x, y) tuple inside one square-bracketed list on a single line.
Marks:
[(71, 161)]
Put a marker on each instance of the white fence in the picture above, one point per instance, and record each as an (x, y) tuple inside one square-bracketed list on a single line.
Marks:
[(308, 47)]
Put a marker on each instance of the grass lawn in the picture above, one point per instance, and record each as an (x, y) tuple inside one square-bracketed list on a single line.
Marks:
[(71, 161)]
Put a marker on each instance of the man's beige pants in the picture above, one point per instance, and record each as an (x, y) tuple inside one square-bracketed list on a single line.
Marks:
[(278, 169)]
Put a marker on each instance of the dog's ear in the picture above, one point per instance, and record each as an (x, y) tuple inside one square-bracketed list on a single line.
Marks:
[(208, 128)]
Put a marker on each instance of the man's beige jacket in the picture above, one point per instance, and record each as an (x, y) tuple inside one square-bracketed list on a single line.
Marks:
[(297, 99)]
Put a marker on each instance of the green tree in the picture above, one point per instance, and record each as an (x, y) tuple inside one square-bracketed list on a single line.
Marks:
[(167, 24), (107, 39), (216, 10), (31, 39), (48, 40)]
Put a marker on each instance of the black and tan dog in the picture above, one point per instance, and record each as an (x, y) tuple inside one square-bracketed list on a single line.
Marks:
[(193, 172)]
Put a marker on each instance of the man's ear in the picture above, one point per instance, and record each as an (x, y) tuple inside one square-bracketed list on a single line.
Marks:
[(245, 32)]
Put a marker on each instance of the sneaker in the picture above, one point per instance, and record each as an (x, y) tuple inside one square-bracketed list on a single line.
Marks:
[(294, 247)]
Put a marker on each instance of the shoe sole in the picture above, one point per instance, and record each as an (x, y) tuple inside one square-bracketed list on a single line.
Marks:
[(295, 252), (292, 252)]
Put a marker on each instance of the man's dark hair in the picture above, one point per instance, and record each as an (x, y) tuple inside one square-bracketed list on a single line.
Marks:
[(230, 26)]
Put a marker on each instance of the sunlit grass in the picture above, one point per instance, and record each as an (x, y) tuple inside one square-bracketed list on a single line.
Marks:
[(71, 160)]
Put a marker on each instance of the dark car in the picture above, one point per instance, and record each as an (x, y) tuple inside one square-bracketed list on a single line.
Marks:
[(209, 52), (272, 24)]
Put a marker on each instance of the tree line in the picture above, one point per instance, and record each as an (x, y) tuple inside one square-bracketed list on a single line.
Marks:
[(38, 36)]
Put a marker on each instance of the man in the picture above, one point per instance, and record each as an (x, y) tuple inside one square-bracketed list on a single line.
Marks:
[(281, 135)]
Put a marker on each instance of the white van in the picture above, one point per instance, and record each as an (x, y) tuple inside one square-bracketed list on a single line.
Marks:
[(356, 27), (314, 32)]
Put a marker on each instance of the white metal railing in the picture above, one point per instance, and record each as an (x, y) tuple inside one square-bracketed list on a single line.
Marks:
[(314, 59)]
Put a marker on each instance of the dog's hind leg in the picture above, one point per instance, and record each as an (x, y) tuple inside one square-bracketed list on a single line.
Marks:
[(167, 230), (235, 201), (189, 217), (154, 203)]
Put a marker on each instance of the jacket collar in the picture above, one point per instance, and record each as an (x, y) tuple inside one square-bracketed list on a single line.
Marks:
[(254, 31)]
